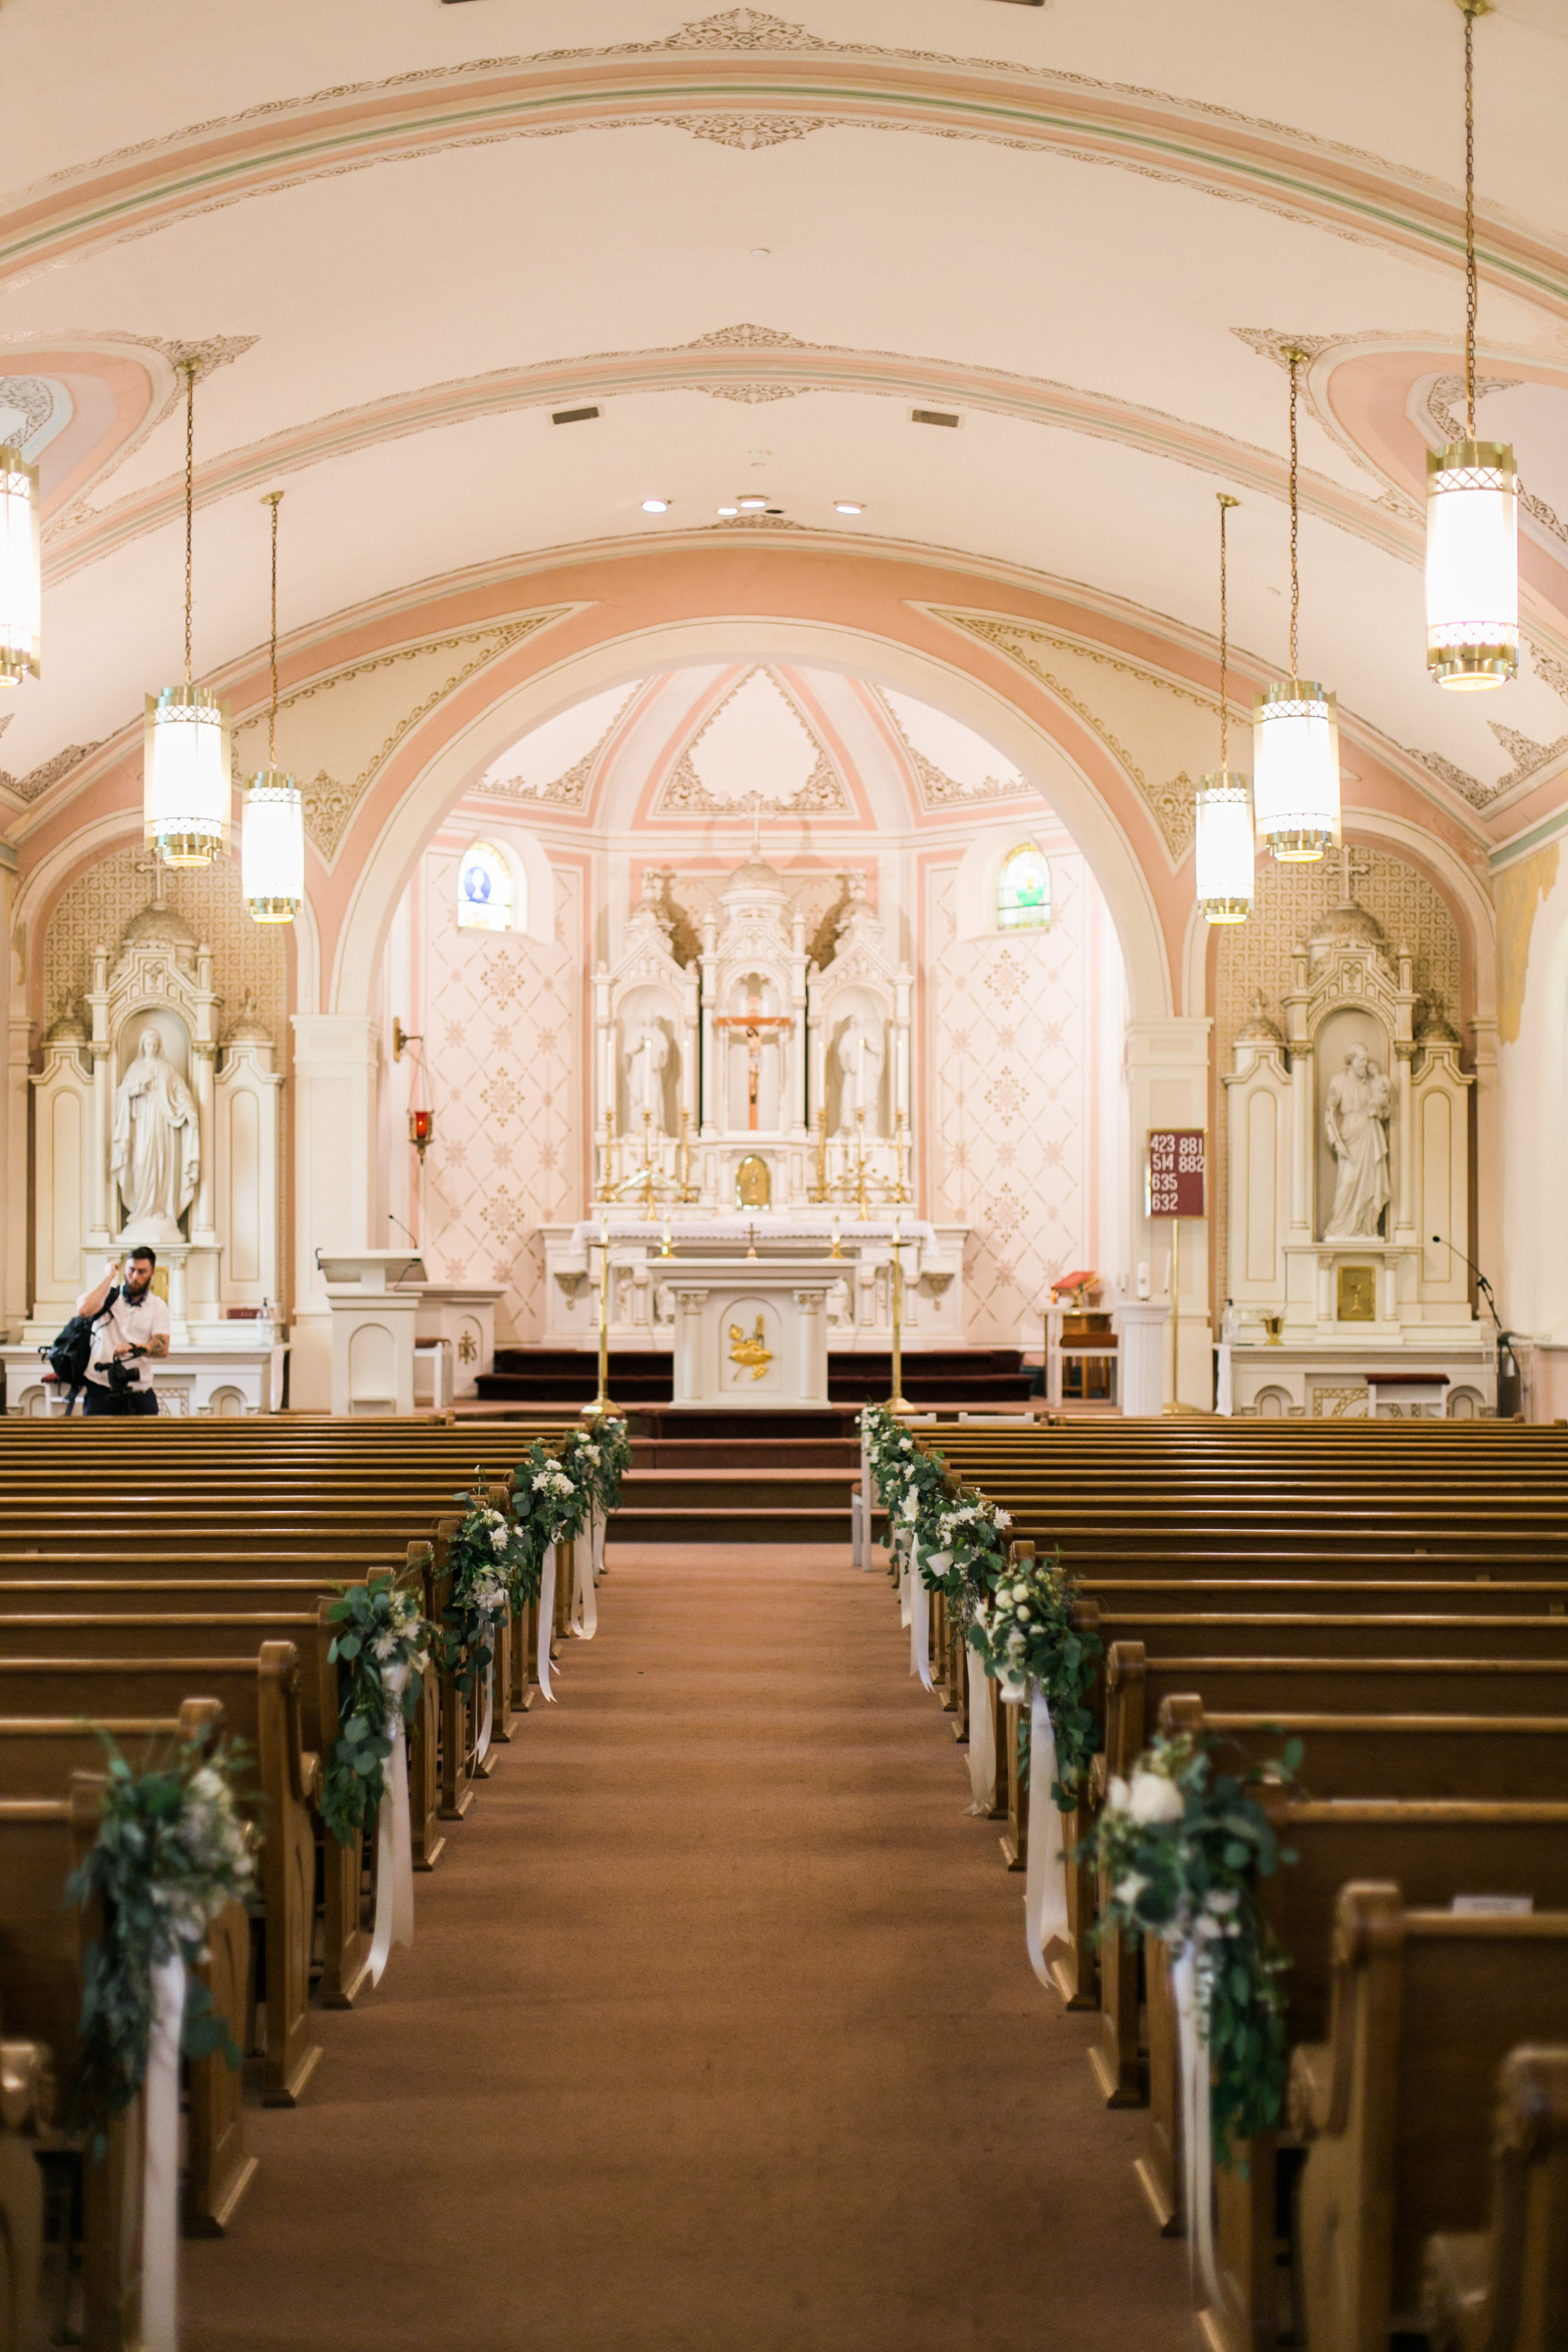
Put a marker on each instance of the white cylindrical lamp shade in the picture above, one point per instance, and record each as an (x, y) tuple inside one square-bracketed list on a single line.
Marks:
[(1472, 565), (272, 847), (1296, 770), (1223, 853), (21, 569), (189, 791)]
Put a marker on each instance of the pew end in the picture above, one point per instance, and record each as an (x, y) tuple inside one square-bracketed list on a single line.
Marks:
[(1505, 2288)]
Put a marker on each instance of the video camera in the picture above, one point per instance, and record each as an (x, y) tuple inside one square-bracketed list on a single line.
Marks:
[(122, 1378)]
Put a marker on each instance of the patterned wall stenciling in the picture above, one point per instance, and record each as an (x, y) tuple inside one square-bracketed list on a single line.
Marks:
[(1009, 1096), (337, 731), (503, 1030), (1256, 955), (247, 957), (1162, 732)]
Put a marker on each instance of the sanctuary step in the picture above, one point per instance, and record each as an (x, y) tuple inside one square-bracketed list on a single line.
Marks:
[(738, 1503), (960, 1379)]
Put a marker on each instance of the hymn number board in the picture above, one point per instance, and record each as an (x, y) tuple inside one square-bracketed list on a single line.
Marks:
[(1177, 1168)]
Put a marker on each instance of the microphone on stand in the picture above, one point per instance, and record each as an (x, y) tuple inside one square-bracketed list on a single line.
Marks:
[(1510, 1383)]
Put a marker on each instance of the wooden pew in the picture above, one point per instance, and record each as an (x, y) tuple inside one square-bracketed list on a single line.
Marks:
[(43, 1946), (28, 2094), (1137, 1680), (261, 1699), (1505, 2288), (1396, 2103)]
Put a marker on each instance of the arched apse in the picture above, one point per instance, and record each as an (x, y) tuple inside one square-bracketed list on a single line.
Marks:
[(1045, 743)]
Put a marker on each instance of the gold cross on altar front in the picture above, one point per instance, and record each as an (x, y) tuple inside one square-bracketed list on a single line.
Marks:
[(753, 1025)]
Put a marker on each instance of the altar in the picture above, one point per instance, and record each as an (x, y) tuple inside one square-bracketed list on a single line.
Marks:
[(753, 1109)]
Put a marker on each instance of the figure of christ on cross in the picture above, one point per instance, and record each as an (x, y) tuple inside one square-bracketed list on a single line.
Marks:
[(754, 1024)]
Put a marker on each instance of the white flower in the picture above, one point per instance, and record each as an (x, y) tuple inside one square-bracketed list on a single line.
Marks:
[(1150, 1797), (1116, 1794), (498, 1538), (1221, 1899), (1127, 1890), (906, 1446), (1024, 1611), (1002, 1518), (911, 1508), (1020, 1592), (1016, 1642)]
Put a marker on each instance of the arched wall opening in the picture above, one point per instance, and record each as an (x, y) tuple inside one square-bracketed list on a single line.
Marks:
[(654, 788)]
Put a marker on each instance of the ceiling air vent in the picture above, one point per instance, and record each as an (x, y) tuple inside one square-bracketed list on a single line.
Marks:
[(935, 416), (572, 416)]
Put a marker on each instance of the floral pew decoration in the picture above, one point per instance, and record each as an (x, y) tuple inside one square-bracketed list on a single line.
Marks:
[(1180, 1847), (552, 1498), (602, 1458), (1021, 1628), (488, 1562), (382, 1645), (172, 1854), (913, 1486)]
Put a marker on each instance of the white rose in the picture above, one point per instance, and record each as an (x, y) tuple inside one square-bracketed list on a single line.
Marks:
[(1116, 1795), (1153, 1798), (1024, 1613), (1002, 1518), (1127, 1890)]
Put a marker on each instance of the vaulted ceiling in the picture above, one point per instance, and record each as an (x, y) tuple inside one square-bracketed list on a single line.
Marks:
[(402, 237)]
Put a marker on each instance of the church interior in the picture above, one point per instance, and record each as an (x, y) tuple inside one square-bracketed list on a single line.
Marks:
[(781, 792)]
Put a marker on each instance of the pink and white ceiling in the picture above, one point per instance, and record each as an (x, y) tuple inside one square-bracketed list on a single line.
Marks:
[(405, 237)]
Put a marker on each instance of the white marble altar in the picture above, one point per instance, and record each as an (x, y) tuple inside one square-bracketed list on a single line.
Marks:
[(750, 1334)]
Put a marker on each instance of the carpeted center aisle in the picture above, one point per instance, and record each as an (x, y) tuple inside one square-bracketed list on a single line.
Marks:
[(719, 2036)]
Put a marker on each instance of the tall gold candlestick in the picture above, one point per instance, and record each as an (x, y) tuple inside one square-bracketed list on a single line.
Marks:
[(897, 1402)]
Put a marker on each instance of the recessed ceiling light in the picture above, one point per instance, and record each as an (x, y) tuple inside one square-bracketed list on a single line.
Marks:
[(848, 507), (760, 252), (656, 506), (753, 503), (729, 511)]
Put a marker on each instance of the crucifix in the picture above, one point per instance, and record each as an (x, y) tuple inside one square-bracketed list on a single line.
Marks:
[(754, 1024)]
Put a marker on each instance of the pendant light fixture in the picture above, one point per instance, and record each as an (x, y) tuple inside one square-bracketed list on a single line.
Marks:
[(1224, 854), (1472, 497), (272, 846), (1295, 724), (21, 568), (189, 792)]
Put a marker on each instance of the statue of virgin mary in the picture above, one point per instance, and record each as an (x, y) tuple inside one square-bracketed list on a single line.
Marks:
[(155, 1157)]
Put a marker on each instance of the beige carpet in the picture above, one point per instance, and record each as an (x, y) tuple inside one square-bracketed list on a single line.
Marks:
[(719, 2036)]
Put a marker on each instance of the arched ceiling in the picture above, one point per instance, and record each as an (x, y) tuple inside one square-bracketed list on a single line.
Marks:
[(402, 235), (698, 750)]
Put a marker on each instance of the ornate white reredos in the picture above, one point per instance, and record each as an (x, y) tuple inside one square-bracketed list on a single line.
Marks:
[(161, 965)]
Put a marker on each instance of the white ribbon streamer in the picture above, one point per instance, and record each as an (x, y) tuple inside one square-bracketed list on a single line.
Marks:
[(546, 1619), (906, 1598), (1197, 2116), (1044, 1881), (920, 1618), (600, 1525), (394, 1845), (584, 1600), (982, 1737), (483, 1747), (160, 2169)]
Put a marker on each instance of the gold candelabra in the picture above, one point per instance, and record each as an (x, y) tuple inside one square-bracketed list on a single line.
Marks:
[(897, 1402), (602, 1403)]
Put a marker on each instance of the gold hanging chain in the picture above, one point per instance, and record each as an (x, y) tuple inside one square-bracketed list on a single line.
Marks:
[(1226, 503), (189, 369), (1295, 356), (1470, 289), (273, 498)]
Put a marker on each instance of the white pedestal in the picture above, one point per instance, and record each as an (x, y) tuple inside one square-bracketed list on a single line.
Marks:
[(464, 1315), (751, 1337), (372, 1329), (1144, 1354)]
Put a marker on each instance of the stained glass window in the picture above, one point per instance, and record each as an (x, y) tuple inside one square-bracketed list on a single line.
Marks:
[(1024, 893), (484, 890)]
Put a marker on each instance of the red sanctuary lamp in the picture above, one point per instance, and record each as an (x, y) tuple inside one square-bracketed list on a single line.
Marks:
[(421, 1127)]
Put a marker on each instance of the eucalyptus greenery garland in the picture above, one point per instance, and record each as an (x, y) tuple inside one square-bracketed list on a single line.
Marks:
[(605, 1453), (483, 1558), (1022, 1630), (171, 1851), (380, 1630), (1181, 1846)]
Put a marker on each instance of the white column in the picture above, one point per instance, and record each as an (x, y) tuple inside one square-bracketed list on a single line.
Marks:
[(1486, 1209), (1167, 1065), (336, 1069), (1403, 1223), (202, 1228), (688, 1346), (16, 1302)]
